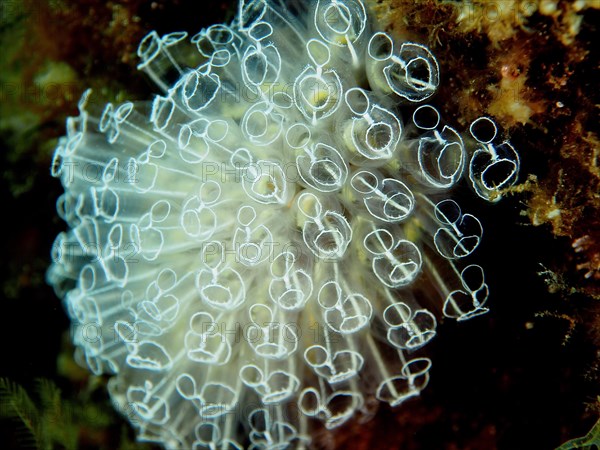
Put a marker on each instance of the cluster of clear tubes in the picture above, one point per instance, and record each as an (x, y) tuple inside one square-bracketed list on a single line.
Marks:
[(263, 250)]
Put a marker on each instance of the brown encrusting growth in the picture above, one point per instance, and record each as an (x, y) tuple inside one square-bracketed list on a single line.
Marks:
[(533, 66)]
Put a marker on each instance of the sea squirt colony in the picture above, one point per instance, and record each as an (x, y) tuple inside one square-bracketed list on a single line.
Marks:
[(267, 244)]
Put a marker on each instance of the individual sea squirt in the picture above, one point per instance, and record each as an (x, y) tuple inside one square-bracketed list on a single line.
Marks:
[(266, 251)]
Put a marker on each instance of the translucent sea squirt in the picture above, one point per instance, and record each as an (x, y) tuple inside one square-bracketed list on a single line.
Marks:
[(270, 247)]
